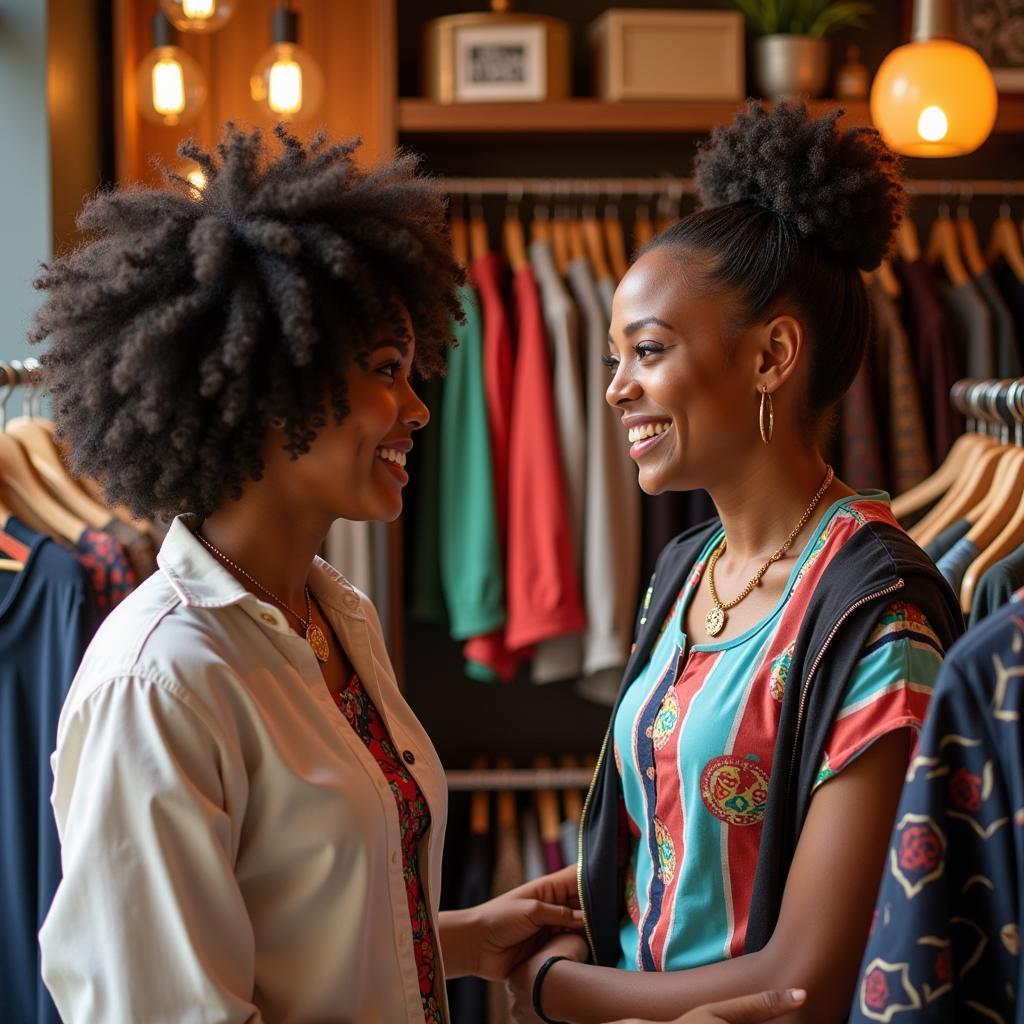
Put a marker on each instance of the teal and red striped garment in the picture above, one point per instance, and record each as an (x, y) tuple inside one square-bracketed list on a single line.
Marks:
[(694, 738)]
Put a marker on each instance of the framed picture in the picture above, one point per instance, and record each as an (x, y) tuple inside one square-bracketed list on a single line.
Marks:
[(500, 62), (995, 28)]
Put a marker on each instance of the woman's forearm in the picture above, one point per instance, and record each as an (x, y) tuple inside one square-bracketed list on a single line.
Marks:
[(584, 994), (455, 932)]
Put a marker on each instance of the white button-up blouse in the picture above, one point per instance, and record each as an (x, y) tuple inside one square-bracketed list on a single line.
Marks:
[(230, 848)]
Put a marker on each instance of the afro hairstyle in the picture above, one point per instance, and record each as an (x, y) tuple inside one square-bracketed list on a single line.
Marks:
[(192, 318)]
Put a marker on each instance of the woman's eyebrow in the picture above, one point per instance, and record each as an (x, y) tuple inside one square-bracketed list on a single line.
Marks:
[(638, 325)]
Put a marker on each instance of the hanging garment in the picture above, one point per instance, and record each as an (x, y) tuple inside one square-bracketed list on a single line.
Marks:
[(468, 996), (349, 547), (861, 462), (1007, 346), (695, 736), (487, 656), (533, 851), (427, 596), (1012, 290), (197, 702), (611, 571), (542, 589), (508, 873), (975, 326), (937, 548), (956, 561), (936, 359), (997, 586), (909, 455), (110, 573), (562, 657), (140, 547), (472, 569), (47, 617), (945, 945)]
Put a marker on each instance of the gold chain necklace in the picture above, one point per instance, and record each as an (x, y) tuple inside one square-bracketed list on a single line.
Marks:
[(714, 621), (313, 633)]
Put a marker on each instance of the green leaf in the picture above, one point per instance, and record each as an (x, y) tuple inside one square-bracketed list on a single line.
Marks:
[(802, 17), (840, 15)]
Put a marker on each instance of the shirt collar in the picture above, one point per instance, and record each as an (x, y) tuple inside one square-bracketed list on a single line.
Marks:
[(200, 581)]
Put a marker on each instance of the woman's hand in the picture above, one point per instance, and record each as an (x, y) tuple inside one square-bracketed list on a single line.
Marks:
[(521, 980), (743, 1010), (493, 938), (560, 887)]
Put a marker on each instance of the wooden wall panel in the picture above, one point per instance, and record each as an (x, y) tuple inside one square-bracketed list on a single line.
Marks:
[(354, 43)]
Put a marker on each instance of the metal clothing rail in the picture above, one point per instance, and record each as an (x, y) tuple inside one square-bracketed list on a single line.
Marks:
[(519, 779), (553, 188), (19, 374)]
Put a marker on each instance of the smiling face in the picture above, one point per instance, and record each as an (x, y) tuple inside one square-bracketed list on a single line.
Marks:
[(356, 469), (683, 386)]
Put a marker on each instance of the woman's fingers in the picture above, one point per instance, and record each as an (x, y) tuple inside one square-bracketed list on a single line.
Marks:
[(749, 1009), (553, 916)]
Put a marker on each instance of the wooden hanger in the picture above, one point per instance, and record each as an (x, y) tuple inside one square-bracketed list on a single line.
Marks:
[(505, 798), (25, 493), (968, 235), (459, 235), (944, 247), (643, 227), (46, 461), (887, 278), (480, 804), (540, 223), (931, 489), (560, 236), (669, 207), (514, 238), (572, 799), (479, 241), (1004, 241), (615, 241), (547, 806), (593, 240), (577, 246), (907, 244)]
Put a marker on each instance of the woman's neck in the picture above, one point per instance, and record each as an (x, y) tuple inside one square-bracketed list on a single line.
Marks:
[(761, 505), (271, 541)]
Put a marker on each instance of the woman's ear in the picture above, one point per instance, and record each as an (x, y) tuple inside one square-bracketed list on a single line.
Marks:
[(782, 341)]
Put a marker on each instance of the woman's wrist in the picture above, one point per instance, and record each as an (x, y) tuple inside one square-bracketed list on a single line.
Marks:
[(538, 988), (457, 931)]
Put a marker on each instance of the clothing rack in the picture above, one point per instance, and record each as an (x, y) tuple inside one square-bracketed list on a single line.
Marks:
[(671, 187), (993, 407), (20, 374), (518, 779)]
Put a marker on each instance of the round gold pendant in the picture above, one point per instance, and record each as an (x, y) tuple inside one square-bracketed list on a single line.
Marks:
[(714, 621), (316, 639)]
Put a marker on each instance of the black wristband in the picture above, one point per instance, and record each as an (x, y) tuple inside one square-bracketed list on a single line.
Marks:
[(538, 981)]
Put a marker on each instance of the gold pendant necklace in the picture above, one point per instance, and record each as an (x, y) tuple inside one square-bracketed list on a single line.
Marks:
[(313, 634), (716, 618)]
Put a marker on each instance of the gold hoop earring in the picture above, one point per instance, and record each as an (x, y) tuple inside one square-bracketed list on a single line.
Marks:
[(766, 417)]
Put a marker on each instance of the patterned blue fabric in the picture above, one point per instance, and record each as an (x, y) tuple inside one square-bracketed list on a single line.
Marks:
[(945, 944)]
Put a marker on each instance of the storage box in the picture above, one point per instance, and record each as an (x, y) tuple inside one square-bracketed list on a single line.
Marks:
[(667, 55), (493, 57)]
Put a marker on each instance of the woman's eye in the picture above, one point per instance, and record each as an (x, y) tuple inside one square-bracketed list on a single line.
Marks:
[(390, 369), (647, 348), (611, 362)]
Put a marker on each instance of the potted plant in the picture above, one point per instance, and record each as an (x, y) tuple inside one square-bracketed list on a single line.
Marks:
[(791, 52)]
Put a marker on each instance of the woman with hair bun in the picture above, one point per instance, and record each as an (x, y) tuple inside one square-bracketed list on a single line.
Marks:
[(251, 817), (734, 835)]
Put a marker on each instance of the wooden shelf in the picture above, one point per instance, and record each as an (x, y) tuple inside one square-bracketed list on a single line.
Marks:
[(596, 117)]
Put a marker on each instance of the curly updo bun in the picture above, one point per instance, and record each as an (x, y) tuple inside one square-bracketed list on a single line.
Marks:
[(193, 318), (794, 209), (844, 188)]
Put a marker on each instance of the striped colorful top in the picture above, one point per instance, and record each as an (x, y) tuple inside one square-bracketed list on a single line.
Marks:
[(694, 738)]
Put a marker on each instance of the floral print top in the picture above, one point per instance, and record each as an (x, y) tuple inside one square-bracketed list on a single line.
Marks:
[(414, 819)]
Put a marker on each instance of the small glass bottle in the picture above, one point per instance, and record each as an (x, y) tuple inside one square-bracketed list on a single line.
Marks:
[(852, 77)]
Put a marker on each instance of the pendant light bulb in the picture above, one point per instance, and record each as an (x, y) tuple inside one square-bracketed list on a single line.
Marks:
[(169, 83), (199, 15), (287, 82), (935, 96)]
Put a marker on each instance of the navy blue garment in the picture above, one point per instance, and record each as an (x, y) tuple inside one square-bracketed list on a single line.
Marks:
[(945, 944), (997, 585), (47, 617), (956, 561), (946, 539)]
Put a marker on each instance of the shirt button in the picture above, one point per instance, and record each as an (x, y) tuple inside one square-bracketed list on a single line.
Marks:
[(408, 757), (268, 618)]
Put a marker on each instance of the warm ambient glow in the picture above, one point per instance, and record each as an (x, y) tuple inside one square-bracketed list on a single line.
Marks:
[(196, 178), (934, 98), (199, 9), (933, 125), (168, 87), (285, 87)]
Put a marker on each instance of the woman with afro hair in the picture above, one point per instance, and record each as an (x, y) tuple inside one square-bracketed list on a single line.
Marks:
[(251, 817), (735, 832)]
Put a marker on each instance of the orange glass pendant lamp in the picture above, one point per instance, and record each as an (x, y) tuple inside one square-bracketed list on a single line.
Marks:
[(170, 85), (935, 96), (286, 82), (199, 15)]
